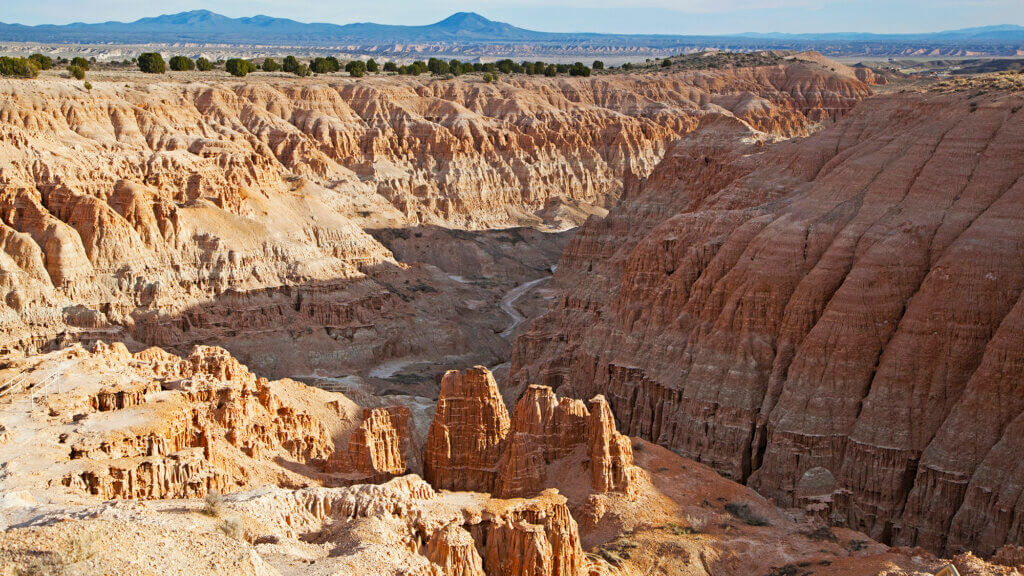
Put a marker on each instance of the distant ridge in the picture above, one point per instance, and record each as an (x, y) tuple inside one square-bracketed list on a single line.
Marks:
[(469, 28)]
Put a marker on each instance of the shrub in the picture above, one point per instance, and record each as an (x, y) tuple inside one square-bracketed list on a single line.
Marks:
[(77, 72), (20, 67), (290, 64), (213, 504), (551, 71), (390, 67), (42, 61), (181, 63), (203, 65), (302, 70), (598, 65), (87, 86), (437, 67), (81, 62), (325, 65), (579, 69), (742, 511), (666, 63), (151, 63), (239, 66), (233, 528), (270, 65), (356, 68), (488, 77), (627, 66), (371, 66)]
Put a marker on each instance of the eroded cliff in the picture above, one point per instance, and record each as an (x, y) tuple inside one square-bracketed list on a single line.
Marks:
[(849, 301), (175, 214)]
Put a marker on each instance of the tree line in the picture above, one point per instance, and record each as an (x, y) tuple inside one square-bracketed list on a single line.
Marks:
[(153, 63)]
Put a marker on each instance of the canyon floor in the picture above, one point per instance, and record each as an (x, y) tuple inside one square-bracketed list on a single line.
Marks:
[(702, 320)]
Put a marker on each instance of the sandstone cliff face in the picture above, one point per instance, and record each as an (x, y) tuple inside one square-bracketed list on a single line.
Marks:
[(467, 434), (473, 445), (155, 426), (174, 214), (377, 449), (850, 301)]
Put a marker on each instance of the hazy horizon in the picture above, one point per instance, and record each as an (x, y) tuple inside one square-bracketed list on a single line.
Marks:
[(608, 16)]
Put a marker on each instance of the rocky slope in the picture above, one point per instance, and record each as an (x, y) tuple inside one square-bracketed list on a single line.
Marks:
[(600, 505), (848, 302), (173, 214)]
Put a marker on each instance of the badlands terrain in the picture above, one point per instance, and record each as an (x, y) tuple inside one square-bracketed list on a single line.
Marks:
[(745, 320)]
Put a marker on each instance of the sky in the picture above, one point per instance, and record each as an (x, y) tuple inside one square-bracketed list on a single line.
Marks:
[(613, 16)]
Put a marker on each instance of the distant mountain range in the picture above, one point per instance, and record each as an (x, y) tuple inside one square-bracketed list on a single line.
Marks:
[(470, 29)]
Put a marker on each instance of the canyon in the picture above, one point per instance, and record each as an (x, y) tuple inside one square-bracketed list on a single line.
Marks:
[(702, 320), (849, 301)]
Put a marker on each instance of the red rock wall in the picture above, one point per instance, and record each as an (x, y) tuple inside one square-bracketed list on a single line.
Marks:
[(851, 301)]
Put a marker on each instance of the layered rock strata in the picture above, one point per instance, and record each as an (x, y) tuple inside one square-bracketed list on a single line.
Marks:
[(182, 213), (473, 445), (152, 425), (850, 301)]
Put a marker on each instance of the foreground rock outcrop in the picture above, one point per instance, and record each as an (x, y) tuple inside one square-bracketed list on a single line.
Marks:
[(473, 445), (850, 301)]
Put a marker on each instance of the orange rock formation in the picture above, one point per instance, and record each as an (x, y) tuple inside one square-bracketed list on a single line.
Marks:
[(849, 301), (472, 445)]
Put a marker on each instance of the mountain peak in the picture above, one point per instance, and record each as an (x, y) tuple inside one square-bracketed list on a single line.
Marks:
[(465, 19)]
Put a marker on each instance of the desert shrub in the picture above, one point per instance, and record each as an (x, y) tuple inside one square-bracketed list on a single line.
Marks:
[(290, 64), (325, 65), (743, 511), (551, 71), (390, 67), (488, 77), (151, 63), (81, 63), (181, 63), (239, 66), (579, 69), (302, 70), (87, 86), (42, 61), (20, 67), (270, 65), (77, 72), (822, 533), (213, 504), (372, 66), (232, 527), (203, 65), (438, 67), (598, 65), (627, 66), (81, 547), (787, 570), (356, 68), (666, 63), (856, 545)]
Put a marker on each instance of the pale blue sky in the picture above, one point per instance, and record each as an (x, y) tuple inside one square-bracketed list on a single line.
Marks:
[(624, 16)]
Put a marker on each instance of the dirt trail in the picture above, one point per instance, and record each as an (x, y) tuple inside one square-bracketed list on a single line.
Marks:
[(508, 304)]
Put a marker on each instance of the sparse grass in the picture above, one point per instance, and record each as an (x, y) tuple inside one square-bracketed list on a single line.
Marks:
[(743, 511), (618, 550), (213, 504), (691, 525), (81, 547), (856, 545), (232, 527), (787, 570), (821, 534)]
